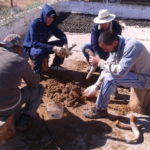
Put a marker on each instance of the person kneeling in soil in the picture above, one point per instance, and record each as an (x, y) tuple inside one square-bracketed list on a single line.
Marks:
[(37, 45), (14, 68), (127, 65), (103, 22)]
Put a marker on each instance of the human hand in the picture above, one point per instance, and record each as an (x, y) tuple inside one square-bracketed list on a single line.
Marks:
[(90, 91), (94, 60), (59, 51), (67, 51)]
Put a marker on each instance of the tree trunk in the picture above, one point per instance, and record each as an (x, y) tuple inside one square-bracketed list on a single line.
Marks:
[(140, 100)]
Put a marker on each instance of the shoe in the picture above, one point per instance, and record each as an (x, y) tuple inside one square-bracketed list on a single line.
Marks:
[(59, 68), (23, 122), (95, 113)]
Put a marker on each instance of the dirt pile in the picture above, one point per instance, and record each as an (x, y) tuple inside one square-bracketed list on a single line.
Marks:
[(69, 93), (82, 23)]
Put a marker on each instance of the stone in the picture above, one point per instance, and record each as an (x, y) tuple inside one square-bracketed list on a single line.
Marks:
[(140, 100)]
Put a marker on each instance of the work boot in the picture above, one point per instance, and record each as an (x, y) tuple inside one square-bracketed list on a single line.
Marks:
[(95, 113), (23, 122)]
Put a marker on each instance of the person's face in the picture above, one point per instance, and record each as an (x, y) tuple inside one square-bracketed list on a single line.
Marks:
[(49, 20), (109, 48), (105, 26)]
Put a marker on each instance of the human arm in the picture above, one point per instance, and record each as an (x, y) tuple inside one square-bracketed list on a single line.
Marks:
[(37, 38), (94, 43), (128, 59), (91, 90), (31, 79), (60, 35), (116, 27)]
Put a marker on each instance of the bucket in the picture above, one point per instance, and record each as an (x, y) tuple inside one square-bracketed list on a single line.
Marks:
[(55, 110)]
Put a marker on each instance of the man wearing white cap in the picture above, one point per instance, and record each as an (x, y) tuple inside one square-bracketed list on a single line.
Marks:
[(103, 22)]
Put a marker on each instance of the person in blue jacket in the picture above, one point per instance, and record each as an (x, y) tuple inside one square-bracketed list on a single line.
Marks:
[(36, 43), (103, 22), (127, 66)]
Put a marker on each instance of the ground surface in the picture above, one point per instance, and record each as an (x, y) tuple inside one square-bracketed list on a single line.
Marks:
[(73, 131)]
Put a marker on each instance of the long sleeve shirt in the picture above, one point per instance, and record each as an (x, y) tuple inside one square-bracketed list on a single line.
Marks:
[(95, 33), (13, 68), (131, 56)]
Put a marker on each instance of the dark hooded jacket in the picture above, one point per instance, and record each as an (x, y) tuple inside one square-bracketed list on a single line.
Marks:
[(39, 33), (95, 33)]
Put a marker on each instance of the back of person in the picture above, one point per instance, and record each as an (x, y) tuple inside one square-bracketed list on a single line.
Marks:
[(141, 56), (11, 71)]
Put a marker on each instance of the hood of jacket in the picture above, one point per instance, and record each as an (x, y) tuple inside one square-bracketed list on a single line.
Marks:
[(47, 11)]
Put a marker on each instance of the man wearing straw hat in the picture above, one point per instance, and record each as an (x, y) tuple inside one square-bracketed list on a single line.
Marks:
[(103, 22), (127, 66)]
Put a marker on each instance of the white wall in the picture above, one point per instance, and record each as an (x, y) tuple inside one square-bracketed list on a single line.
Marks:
[(18, 24), (121, 10)]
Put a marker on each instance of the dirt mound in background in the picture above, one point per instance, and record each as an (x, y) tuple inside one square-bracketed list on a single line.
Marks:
[(82, 23)]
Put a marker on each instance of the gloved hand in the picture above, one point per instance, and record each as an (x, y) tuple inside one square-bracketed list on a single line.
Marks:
[(68, 52), (90, 91), (59, 51)]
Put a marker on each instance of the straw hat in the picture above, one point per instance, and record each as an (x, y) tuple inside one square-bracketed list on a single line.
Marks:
[(103, 17)]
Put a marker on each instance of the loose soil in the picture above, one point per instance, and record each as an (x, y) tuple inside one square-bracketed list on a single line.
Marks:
[(82, 23), (73, 131)]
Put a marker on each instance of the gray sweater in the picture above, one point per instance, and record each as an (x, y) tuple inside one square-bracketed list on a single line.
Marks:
[(13, 68), (131, 56)]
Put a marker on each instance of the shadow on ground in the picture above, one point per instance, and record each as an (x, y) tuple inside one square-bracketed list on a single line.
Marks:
[(69, 133)]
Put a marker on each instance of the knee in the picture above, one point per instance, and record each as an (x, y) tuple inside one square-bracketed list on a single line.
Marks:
[(37, 54), (86, 46), (108, 77)]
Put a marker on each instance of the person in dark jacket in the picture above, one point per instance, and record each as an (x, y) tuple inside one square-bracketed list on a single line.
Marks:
[(14, 68), (103, 22), (37, 44)]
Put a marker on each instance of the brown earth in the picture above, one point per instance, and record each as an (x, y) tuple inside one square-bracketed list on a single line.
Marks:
[(73, 131)]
